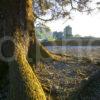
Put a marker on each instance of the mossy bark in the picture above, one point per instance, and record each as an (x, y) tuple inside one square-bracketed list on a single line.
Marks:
[(16, 31), (24, 84)]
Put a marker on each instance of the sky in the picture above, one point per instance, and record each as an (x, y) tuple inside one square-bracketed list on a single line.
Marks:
[(82, 24)]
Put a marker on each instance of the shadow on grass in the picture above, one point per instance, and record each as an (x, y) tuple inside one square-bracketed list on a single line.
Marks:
[(89, 89)]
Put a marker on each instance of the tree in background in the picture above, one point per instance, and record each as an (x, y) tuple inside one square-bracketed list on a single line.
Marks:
[(77, 36), (58, 35), (42, 31)]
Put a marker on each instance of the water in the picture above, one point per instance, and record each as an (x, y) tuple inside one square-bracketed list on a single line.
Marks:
[(92, 52)]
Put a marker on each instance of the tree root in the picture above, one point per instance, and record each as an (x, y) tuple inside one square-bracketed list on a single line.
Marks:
[(37, 52)]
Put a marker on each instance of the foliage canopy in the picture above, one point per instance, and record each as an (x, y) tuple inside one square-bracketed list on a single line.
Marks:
[(54, 9)]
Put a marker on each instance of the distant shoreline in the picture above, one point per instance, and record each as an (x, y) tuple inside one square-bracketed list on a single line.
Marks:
[(73, 42)]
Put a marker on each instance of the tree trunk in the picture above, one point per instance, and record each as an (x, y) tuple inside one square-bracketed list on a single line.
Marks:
[(24, 83), (16, 32)]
